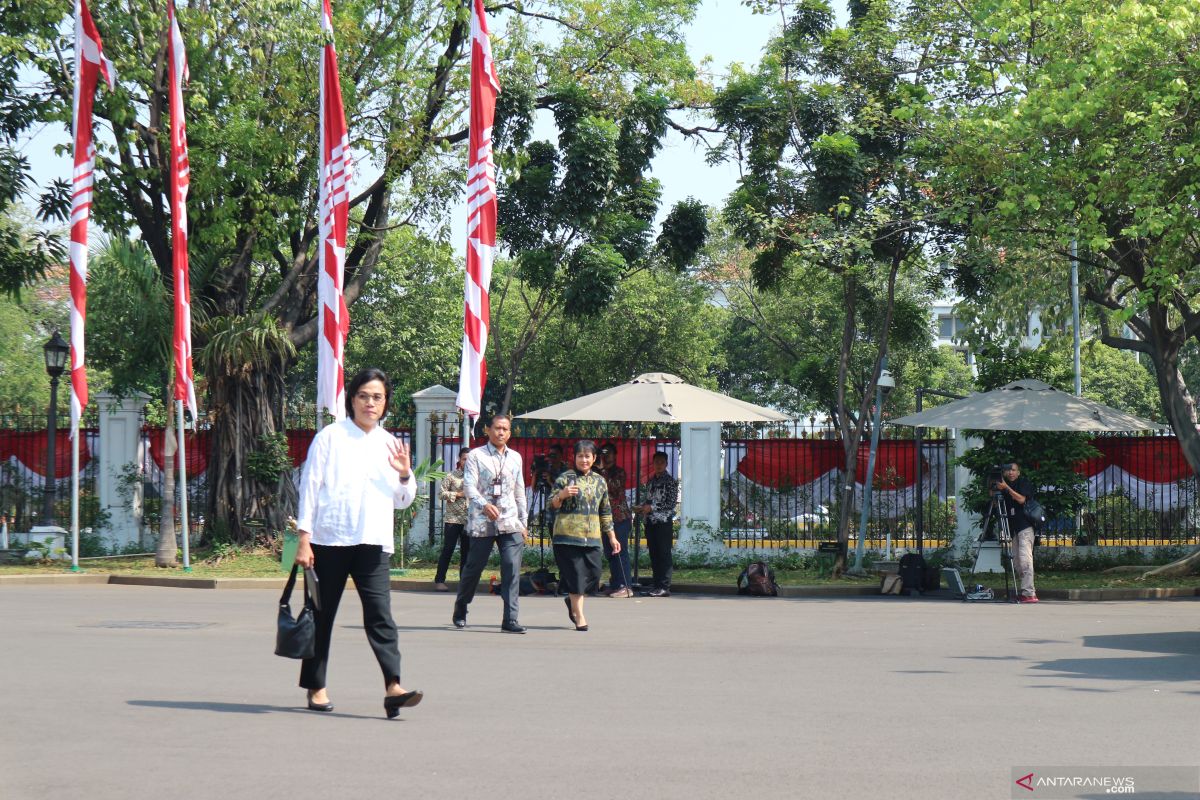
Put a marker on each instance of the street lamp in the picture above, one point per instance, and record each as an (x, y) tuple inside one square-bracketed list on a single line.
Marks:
[(884, 385), (55, 353)]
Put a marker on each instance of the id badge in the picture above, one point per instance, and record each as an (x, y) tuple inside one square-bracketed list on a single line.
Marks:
[(497, 487)]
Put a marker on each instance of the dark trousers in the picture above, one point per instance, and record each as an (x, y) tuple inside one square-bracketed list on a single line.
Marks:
[(618, 565), (511, 546), (452, 533), (368, 565), (658, 545)]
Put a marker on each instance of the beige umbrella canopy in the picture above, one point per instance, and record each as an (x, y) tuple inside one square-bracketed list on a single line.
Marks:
[(1027, 405), (657, 397)]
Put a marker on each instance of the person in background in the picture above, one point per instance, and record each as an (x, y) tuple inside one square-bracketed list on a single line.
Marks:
[(355, 476), (1017, 491), (582, 518), (618, 561), (454, 523), (497, 515), (659, 510)]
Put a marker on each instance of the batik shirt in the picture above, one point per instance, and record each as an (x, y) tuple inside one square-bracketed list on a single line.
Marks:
[(484, 465), (615, 477), (582, 519), (455, 506), (661, 493)]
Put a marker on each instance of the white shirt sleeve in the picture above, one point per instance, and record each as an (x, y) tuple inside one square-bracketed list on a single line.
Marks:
[(406, 491)]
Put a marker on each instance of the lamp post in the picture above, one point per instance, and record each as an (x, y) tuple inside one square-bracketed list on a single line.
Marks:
[(884, 385), (55, 353)]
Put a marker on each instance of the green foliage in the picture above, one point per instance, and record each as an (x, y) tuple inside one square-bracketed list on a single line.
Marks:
[(25, 325), (270, 460)]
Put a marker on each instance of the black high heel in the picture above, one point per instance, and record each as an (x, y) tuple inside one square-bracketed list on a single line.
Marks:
[(393, 703), (581, 628), (318, 706), (570, 613)]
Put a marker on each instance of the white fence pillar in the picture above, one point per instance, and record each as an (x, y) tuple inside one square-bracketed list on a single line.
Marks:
[(119, 476), (700, 475), (966, 521), (436, 399)]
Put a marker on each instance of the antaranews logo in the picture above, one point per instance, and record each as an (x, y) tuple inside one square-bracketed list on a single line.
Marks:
[(1025, 781), (1072, 782)]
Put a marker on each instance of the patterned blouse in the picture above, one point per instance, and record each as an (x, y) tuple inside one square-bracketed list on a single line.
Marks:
[(615, 476), (582, 519)]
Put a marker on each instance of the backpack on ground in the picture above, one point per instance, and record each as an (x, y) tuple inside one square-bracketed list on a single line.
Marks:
[(758, 580)]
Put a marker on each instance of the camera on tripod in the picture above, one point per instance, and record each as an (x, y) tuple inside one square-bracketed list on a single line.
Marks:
[(995, 476), (540, 467)]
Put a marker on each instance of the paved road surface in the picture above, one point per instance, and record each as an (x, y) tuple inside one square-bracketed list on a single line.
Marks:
[(133, 692)]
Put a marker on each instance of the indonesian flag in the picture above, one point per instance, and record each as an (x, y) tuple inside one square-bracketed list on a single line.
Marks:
[(185, 387), (481, 216), (90, 64), (334, 212)]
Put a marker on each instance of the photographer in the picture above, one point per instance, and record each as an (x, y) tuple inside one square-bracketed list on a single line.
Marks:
[(1015, 491)]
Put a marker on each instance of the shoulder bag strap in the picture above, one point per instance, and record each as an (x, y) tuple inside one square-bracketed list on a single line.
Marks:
[(291, 584)]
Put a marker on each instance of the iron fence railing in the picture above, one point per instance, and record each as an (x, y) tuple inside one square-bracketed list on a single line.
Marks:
[(24, 457)]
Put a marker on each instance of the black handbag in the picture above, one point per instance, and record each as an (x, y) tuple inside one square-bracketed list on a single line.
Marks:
[(297, 638)]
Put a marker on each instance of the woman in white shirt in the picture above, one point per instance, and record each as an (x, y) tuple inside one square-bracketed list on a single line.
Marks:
[(355, 475)]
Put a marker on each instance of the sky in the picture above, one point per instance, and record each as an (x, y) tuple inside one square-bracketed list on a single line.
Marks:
[(724, 31)]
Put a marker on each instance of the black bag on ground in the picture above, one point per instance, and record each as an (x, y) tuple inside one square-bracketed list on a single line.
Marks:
[(912, 572), (758, 580), (296, 638)]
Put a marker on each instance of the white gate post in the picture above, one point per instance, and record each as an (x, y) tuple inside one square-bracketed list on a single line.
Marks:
[(700, 476), (439, 399), (120, 455), (966, 521)]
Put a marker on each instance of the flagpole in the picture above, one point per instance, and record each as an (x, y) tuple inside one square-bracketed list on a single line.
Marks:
[(75, 501), (183, 495)]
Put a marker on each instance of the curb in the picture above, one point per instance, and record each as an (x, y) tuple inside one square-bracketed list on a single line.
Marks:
[(411, 585)]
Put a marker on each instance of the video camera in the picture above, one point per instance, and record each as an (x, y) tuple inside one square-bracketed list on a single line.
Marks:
[(995, 475), (540, 467)]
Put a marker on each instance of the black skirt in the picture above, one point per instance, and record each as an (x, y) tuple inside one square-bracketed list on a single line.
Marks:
[(578, 568)]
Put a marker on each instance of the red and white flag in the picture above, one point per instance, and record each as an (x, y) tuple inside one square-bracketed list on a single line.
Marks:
[(177, 73), (333, 209), (481, 216), (90, 64)]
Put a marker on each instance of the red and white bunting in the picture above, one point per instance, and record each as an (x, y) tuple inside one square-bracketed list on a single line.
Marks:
[(333, 209), (185, 387), (481, 216), (90, 64)]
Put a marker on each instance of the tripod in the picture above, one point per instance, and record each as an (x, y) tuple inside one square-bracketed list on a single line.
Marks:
[(995, 515), (541, 496)]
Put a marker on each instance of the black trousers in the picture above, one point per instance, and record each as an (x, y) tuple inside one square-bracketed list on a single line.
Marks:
[(452, 533), (368, 565), (658, 545)]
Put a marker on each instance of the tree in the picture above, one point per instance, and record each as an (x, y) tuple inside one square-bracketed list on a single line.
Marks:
[(26, 322), (578, 217), (1090, 133), (832, 188), (658, 321), (251, 107)]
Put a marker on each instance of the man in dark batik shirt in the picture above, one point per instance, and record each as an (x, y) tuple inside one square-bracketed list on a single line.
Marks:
[(659, 510)]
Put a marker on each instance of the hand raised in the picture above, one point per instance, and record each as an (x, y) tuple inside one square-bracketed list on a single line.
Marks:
[(398, 457)]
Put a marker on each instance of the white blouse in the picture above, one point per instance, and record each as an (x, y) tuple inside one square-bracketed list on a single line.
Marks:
[(348, 489)]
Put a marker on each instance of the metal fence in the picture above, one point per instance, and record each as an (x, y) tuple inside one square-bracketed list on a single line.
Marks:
[(24, 462)]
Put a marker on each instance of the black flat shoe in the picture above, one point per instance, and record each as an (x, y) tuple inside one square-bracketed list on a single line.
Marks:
[(460, 623), (393, 703), (318, 706), (570, 613), (512, 627)]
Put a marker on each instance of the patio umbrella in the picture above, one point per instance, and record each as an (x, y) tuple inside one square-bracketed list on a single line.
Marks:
[(655, 397), (1027, 405)]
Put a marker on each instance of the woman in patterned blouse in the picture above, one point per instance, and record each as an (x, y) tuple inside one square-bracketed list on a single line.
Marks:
[(618, 562), (580, 499)]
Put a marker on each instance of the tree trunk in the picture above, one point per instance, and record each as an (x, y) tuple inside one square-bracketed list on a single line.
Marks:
[(244, 407), (164, 554)]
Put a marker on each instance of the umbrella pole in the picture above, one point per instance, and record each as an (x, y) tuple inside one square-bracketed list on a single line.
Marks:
[(637, 501)]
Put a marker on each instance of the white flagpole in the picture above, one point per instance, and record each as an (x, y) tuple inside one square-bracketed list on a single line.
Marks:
[(75, 501), (183, 496)]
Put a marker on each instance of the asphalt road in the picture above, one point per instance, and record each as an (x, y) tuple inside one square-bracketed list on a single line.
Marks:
[(137, 692)]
